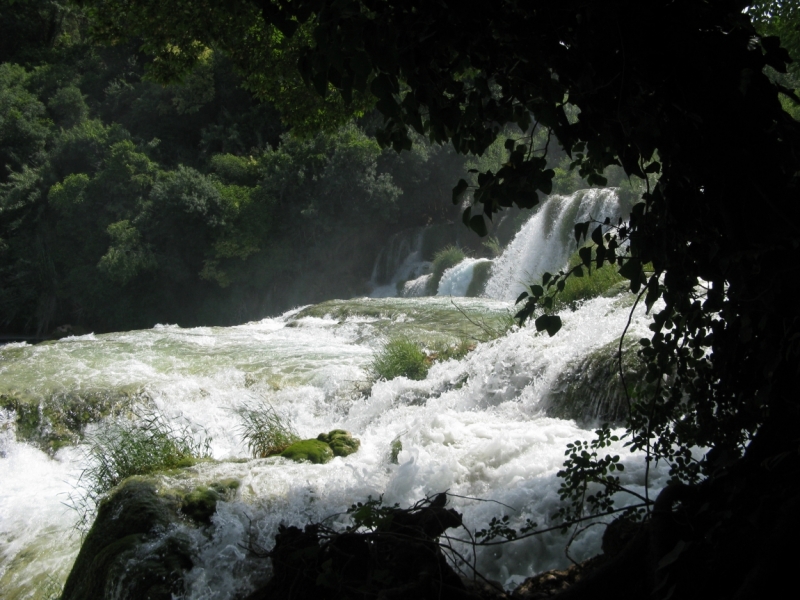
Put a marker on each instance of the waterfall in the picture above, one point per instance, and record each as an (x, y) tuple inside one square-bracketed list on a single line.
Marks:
[(546, 241), (399, 261), (456, 280)]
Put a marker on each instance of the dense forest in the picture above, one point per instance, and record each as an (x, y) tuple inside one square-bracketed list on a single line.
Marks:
[(125, 202), (699, 95)]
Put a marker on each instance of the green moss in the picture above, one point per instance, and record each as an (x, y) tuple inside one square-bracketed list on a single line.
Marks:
[(109, 561), (340, 441), (396, 448), (480, 275), (590, 391), (313, 451), (201, 503), (60, 419)]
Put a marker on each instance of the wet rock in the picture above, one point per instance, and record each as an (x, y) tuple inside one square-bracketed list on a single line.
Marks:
[(552, 583), (618, 535), (398, 559), (397, 448), (314, 451), (127, 554), (340, 441), (485, 590), (201, 503)]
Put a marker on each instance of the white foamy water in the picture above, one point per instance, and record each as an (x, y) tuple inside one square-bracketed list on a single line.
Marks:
[(546, 241), (473, 427), (455, 280)]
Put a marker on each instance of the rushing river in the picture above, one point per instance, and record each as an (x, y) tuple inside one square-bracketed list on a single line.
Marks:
[(475, 427)]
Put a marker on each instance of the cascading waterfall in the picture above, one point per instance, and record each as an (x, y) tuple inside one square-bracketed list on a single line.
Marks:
[(456, 280), (400, 261), (475, 427), (546, 241), (544, 244)]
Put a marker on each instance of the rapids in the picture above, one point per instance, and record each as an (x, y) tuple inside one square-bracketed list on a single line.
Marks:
[(474, 427)]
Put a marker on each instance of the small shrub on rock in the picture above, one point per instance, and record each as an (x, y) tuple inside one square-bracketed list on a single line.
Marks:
[(265, 431)]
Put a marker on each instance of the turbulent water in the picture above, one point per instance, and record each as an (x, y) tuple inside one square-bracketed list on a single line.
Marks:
[(474, 427), (543, 244)]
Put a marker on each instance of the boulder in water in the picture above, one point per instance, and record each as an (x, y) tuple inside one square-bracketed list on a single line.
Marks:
[(315, 451), (201, 503), (126, 554), (340, 441)]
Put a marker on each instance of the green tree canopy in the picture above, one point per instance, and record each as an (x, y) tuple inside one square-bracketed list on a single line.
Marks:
[(674, 88)]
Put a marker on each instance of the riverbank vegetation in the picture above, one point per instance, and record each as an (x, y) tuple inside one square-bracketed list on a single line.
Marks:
[(703, 125), (125, 202)]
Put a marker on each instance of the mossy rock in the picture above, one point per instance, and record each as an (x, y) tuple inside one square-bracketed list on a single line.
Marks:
[(111, 563), (201, 503), (480, 276), (314, 451), (396, 449), (57, 420), (590, 390), (340, 441)]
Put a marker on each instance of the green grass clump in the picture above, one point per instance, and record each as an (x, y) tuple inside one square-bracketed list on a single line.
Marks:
[(265, 431), (591, 285), (400, 357), (447, 257), (125, 448)]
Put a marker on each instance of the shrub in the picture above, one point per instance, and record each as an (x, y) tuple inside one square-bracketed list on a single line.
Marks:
[(447, 257), (400, 357), (591, 285), (265, 431), (126, 448)]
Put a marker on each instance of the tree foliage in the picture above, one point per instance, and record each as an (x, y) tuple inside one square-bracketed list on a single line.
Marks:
[(677, 90), (126, 202)]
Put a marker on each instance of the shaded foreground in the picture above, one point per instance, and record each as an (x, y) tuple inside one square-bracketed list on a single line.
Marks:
[(399, 553)]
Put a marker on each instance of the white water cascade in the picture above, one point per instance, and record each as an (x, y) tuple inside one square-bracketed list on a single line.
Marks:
[(455, 280), (474, 427), (544, 244), (400, 261), (546, 241)]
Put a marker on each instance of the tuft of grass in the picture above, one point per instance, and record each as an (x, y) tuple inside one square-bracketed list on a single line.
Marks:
[(265, 431), (400, 357), (124, 448), (447, 257), (492, 244)]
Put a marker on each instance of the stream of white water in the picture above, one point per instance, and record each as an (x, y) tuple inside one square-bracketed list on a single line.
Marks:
[(474, 427)]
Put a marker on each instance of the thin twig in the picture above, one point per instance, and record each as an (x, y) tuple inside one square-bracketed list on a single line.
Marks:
[(554, 528)]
